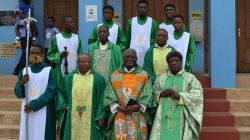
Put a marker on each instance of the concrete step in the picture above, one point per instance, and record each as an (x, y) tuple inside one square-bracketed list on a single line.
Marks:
[(7, 139), (244, 133), (219, 133), (8, 81), (9, 131), (239, 105), (242, 119), (238, 93), (216, 105), (204, 79), (10, 117), (211, 93), (7, 93), (10, 104), (243, 80), (218, 119)]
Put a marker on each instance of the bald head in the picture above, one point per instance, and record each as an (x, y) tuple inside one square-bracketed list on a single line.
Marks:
[(161, 37), (103, 34), (82, 56), (130, 51), (130, 58), (83, 63)]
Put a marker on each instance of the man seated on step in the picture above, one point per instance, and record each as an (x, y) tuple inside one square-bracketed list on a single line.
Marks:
[(40, 108), (179, 97)]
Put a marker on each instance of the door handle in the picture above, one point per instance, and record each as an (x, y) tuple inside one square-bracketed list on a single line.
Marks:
[(238, 32)]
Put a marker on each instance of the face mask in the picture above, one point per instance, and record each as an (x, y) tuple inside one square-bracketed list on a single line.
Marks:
[(35, 58)]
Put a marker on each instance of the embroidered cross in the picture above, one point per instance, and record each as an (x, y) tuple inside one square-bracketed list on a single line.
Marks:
[(140, 39), (33, 92), (126, 92)]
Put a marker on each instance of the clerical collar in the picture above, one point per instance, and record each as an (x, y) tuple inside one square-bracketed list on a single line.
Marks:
[(85, 73), (161, 47), (178, 73), (129, 71), (103, 47)]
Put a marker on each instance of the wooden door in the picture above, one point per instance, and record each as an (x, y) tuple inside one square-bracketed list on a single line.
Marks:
[(156, 9), (61, 8), (243, 36)]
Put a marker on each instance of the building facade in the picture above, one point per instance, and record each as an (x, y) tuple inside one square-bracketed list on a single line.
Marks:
[(221, 28)]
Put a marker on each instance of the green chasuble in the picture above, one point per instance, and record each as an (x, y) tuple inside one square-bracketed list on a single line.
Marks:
[(124, 85), (85, 105), (178, 119), (46, 99), (54, 56), (155, 61), (191, 51), (106, 61), (142, 21), (121, 38)]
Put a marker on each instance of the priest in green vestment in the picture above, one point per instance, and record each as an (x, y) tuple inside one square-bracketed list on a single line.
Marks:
[(128, 98), (154, 60), (141, 31), (57, 55), (184, 43), (116, 36), (40, 108), (105, 56), (179, 97), (170, 11), (83, 91)]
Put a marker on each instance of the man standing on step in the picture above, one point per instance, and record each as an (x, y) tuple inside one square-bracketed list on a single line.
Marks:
[(105, 56), (141, 31), (179, 97), (86, 115), (169, 11), (154, 63), (184, 43), (64, 45), (128, 97), (116, 35), (40, 108)]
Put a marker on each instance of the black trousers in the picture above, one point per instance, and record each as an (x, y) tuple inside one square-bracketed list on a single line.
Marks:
[(21, 62), (45, 56)]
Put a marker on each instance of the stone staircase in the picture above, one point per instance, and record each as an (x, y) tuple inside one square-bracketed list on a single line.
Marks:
[(10, 108), (226, 112), (218, 121), (240, 107)]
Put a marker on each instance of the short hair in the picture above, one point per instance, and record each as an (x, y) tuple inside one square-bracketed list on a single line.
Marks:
[(108, 7), (173, 54), (129, 49), (64, 18), (169, 5), (52, 18), (162, 30), (142, 1), (103, 26), (37, 46), (178, 16), (82, 54)]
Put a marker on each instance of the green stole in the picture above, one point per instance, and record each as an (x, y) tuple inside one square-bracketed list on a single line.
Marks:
[(81, 106), (171, 111)]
